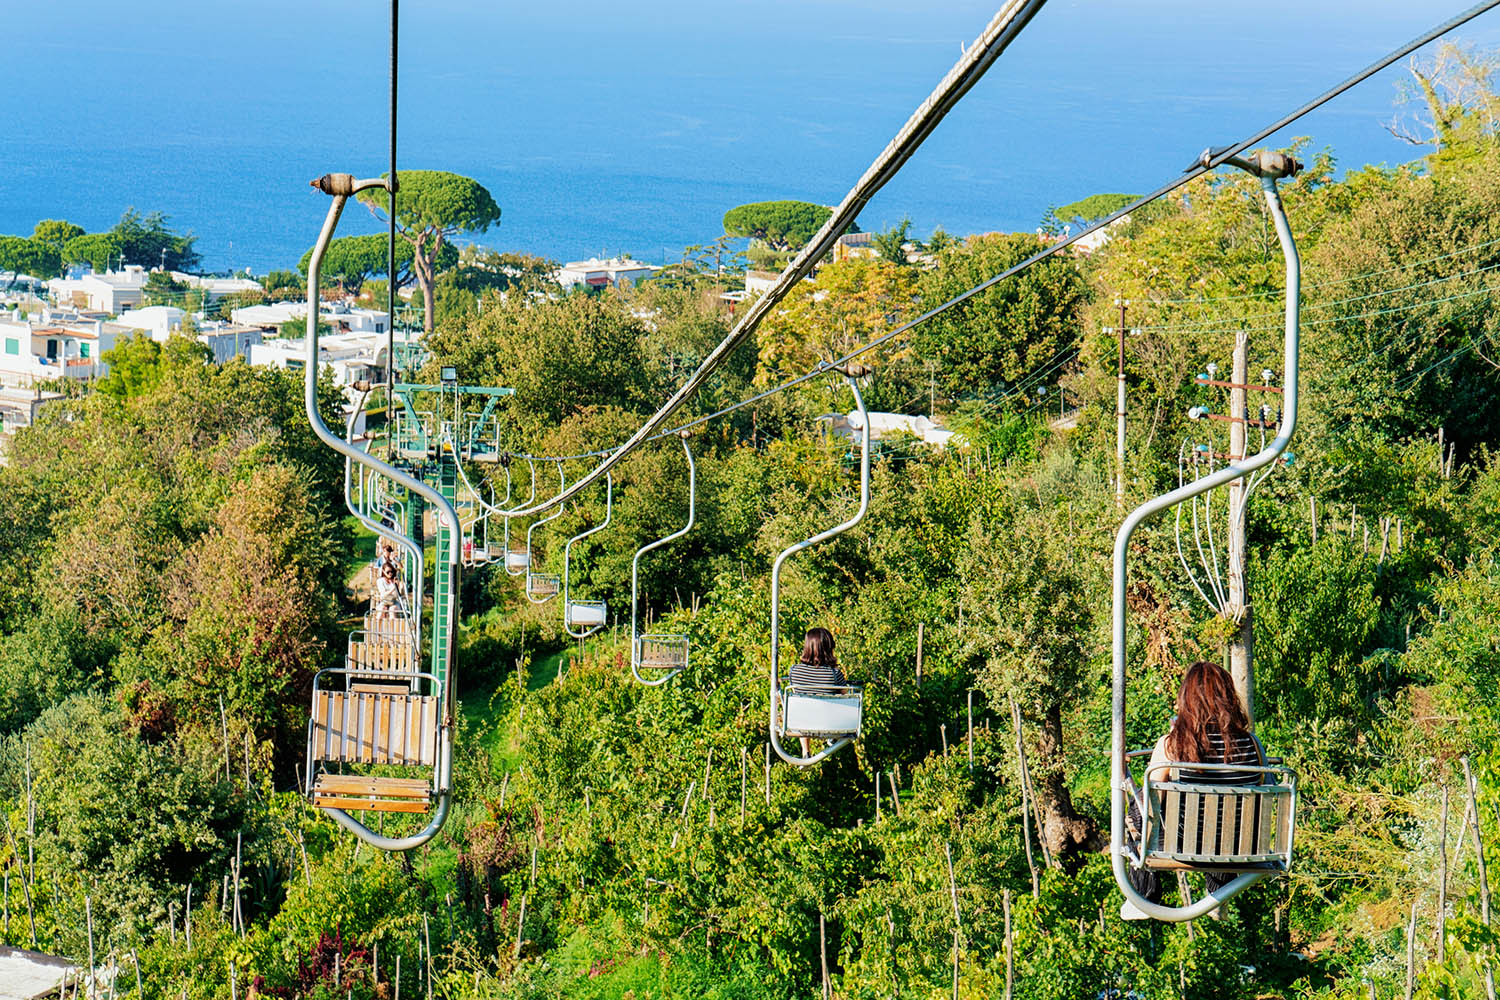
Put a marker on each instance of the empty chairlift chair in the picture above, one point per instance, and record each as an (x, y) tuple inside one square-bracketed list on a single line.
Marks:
[(657, 657), (542, 587), (1190, 822), (582, 619), (835, 714), (379, 735), (517, 561)]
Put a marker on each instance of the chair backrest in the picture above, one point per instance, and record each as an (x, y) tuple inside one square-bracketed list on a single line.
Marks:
[(1199, 824), (822, 713), (381, 657), (373, 728)]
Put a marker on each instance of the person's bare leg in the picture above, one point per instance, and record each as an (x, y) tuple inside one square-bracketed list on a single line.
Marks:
[(806, 747)]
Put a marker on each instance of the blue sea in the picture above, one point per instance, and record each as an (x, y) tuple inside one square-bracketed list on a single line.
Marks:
[(632, 127)]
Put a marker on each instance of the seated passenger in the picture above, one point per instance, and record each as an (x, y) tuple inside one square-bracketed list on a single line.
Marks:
[(1210, 728), (387, 593), (817, 670)]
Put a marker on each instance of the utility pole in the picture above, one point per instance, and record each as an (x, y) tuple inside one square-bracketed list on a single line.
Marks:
[(1242, 646)]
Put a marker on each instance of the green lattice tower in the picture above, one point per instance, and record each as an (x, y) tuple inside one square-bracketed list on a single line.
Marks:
[(412, 528), (445, 578)]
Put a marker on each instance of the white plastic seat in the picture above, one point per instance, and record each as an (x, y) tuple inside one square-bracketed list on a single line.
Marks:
[(587, 614), (517, 563), (836, 713), (543, 584), (661, 652)]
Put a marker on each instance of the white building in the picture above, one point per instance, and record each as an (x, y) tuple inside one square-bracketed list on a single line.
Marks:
[(109, 292), (889, 425), (159, 321), (54, 345), (229, 340), (595, 273), (215, 289), (340, 316), (349, 357), (20, 407)]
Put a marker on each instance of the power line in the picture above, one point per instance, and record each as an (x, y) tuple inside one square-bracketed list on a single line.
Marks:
[(960, 79)]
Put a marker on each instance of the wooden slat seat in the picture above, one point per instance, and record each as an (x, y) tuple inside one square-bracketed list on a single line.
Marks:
[(662, 652), (362, 727), (379, 793), (388, 630)]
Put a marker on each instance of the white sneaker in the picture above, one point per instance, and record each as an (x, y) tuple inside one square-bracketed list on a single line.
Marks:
[(1129, 911)]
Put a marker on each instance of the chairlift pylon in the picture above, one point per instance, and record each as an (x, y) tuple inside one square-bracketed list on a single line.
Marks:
[(663, 654)]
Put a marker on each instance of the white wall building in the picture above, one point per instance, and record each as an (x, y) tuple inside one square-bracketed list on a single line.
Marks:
[(342, 317), (52, 347), (889, 425), (595, 273), (159, 321), (110, 292), (20, 407), (216, 288)]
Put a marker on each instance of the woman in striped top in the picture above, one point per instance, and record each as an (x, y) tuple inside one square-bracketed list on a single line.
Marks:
[(817, 670), (1210, 728)]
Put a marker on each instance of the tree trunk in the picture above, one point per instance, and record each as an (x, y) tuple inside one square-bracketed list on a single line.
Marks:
[(1067, 832)]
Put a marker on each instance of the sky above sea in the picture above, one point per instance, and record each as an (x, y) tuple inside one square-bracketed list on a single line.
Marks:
[(605, 128)]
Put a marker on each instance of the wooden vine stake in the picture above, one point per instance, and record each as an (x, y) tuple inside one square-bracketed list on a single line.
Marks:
[(1442, 905), (1010, 948), (823, 956), (957, 924), (1484, 882), (1411, 950)]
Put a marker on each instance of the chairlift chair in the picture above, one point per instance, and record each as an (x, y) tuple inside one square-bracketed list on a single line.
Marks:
[(518, 561), (660, 655), (588, 617), (1240, 830), (543, 587), (833, 714), (383, 713)]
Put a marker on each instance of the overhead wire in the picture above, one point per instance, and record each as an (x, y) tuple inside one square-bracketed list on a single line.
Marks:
[(997, 36)]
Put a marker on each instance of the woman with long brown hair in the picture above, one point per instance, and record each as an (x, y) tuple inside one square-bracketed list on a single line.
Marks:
[(1210, 728), (817, 669)]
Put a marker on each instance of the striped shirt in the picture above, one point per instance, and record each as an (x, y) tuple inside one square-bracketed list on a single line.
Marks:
[(814, 678), (1246, 750)]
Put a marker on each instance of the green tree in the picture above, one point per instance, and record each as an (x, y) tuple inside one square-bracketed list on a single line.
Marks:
[(101, 251), (148, 241), (1085, 212), (28, 256), (1007, 331), (349, 260), (138, 364), (781, 225), (56, 232), (891, 244), (433, 206), (1028, 631)]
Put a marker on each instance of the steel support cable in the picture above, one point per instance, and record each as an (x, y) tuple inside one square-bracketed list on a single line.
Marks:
[(1212, 160), (971, 66), (390, 272)]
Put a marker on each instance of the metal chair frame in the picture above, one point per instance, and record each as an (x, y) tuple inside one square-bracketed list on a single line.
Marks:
[(778, 717), (639, 642), (568, 603), (552, 579), (1268, 167)]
